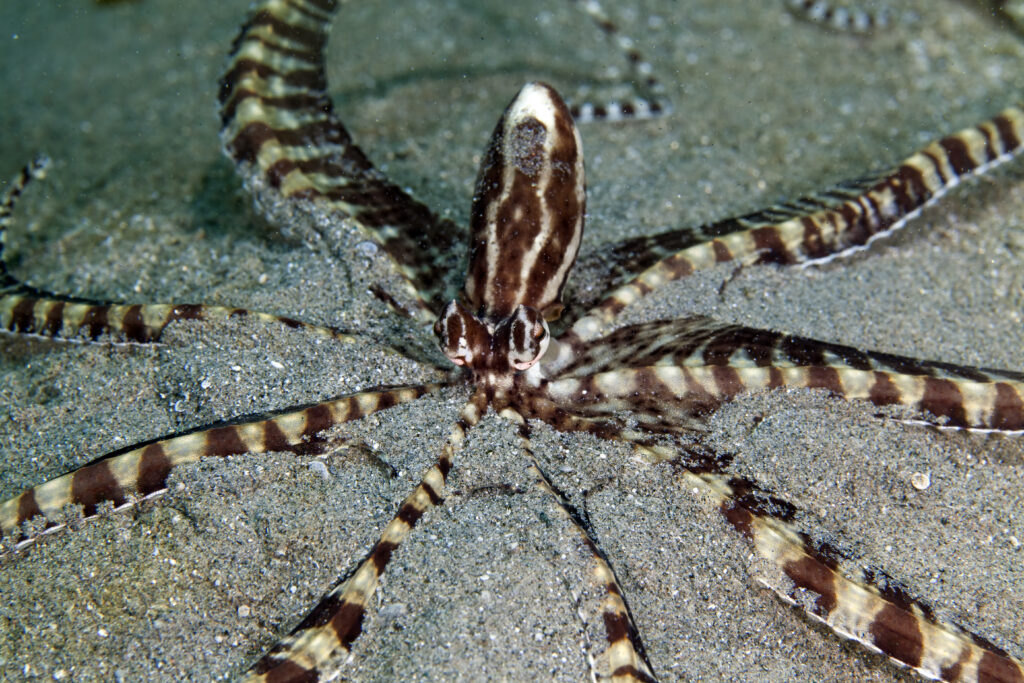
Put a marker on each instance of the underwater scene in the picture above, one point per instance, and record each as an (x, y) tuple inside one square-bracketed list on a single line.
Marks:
[(710, 449)]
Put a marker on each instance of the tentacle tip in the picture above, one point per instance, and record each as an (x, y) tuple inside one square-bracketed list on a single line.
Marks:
[(40, 165)]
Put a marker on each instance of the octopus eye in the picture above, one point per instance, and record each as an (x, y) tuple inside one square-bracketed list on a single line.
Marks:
[(528, 337), (462, 337)]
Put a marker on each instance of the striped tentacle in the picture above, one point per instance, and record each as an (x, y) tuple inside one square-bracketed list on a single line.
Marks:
[(30, 171), (279, 126), (623, 659), (698, 340), (650, 101), (311, 651), (125, 476), (25, 309), (538, 404), (662, 395), (827, 233), (35, 312), (619, 262), (857, 603), (844, 18)]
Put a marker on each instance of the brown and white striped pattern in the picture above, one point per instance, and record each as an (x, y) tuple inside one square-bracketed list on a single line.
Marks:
[(279, 125), (843, 18), (123, 477), (828, 233), (38, 313), (650, 100), (621, 261), (25, 309), (860, 604), (688, 367), (311, 651), (622, 658), (667, 393), (30, 171), (857, 603), (698, 341), (285, 139), (527, 217)]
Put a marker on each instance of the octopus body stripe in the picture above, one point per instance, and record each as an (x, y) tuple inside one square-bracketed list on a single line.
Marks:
[(312, 649), (636, 108), (628, 257), (142, 470), (649, 102), (829, 233), (31, 311), (278, 125)]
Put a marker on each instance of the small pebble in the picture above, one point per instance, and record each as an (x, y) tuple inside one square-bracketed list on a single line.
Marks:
[(921, 480), (366, 248), (244, 611), (320, 468)]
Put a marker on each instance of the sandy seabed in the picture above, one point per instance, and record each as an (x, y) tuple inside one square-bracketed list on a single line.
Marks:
[(140, 205)]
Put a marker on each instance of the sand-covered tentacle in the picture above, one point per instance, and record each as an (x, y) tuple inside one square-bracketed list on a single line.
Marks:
[(34, 312), (856, 602), (821, 227), (279, 126), (622, 658), (311, 652), (128, 475), (660, 396)]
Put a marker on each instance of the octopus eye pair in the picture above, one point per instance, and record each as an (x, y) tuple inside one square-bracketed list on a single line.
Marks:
[(522, 337)]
